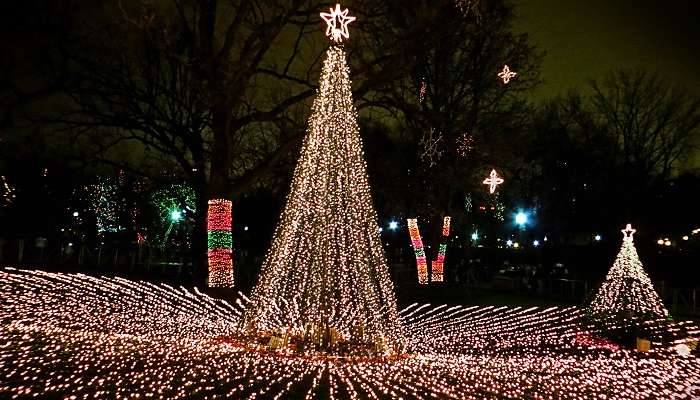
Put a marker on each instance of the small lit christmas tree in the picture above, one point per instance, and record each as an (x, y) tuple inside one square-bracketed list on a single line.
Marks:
[(627, 290), (325, 270)]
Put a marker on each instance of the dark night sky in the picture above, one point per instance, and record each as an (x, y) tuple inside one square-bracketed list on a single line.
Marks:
[(583, 40)]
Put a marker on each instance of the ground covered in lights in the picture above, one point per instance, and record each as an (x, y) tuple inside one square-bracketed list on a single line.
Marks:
[(77, 336)]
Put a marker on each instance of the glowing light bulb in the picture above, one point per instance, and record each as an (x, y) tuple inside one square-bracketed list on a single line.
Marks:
[(175, 215)]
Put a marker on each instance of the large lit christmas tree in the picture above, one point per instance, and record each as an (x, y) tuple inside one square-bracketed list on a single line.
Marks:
[(325, 269), (627, 290)]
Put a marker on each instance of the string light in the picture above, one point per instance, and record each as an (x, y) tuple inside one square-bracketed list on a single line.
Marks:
[(493, 181), (469, 6), (506, 74), (465, 144), (72, 335), (438, 265), (170, 203), (7, 192), (104, 202), (468, 202), (422, 91), (220, 243), (627, 289), (417, 244), (431, 145), (325, 270)]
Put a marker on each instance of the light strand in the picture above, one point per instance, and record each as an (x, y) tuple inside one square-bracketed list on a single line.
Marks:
[(220, 243)]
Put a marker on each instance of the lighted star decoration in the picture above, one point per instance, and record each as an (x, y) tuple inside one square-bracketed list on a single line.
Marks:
[(337, 21), (628, 232), (506, 75), (493, 181)]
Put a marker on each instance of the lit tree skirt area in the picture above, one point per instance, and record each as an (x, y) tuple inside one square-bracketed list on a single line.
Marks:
[(72, 335)]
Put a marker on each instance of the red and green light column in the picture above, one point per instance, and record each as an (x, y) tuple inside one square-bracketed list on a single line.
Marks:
[(220, 243)]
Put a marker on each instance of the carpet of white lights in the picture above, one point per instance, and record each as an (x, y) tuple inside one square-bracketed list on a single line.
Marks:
[(77, 336)]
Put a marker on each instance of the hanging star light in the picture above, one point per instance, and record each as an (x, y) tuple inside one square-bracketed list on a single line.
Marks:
[(493, 181), (337, 21), (506, 74)]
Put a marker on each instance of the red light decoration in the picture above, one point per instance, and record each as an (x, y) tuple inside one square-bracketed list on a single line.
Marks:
[(220, 243), (438, 266), (417, 244)]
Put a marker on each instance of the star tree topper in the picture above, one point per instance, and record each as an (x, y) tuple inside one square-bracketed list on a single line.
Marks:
[(337, 21), (628, 232), (493, 181), (506, 74)]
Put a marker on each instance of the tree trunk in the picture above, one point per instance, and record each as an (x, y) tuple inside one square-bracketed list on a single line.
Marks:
[(218, 186), (199, 232)]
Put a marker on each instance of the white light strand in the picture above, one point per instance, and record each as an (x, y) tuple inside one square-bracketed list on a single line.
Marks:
[(67, 336), (326, 264)]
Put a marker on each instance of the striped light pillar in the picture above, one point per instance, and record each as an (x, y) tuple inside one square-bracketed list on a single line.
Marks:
[(417, 244), (438, 266), (220, 243)]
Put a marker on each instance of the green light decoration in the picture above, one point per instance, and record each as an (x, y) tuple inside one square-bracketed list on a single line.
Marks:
[(103, 200), (171, 203), (174, 197), (175, 215), (219, 239)]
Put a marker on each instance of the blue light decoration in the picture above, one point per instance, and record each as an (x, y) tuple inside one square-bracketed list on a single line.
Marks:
[(175, 215), (393, 225), (521, 218)]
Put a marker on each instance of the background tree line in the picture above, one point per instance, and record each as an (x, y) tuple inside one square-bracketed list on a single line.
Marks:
[(216, 94)]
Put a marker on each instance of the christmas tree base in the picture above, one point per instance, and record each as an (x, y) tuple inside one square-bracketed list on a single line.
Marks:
[(318, 340)]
